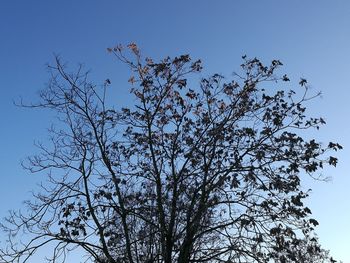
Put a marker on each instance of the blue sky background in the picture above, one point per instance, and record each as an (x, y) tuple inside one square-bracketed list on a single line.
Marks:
[(312, 38)]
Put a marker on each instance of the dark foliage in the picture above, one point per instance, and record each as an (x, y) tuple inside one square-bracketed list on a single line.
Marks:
[(209, 173)]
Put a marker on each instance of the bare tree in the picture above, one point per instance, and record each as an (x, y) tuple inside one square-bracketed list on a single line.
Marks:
[(202, 174)]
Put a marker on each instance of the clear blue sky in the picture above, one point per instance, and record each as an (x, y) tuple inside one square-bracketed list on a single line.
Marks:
[(312, 38)]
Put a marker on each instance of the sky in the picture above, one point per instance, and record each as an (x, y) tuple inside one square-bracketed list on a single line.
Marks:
[(311, 38)]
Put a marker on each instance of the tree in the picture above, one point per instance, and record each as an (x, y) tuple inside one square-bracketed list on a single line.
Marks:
[(203, 174), (308, 250)]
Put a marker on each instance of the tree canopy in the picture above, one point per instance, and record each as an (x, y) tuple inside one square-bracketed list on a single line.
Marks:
[(190, 173)]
